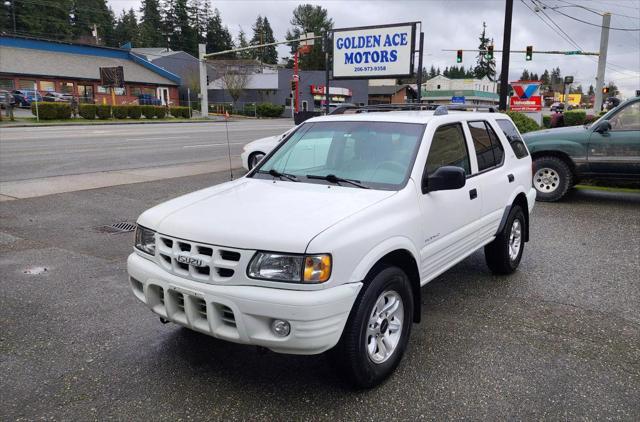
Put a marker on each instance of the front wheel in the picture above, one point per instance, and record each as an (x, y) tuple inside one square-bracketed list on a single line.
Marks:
[(377, 333), (254, 159)]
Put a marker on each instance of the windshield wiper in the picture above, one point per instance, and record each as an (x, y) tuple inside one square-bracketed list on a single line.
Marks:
[(332, 178), (276, 173)]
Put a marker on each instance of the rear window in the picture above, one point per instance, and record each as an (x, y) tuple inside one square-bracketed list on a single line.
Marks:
[(516, 142)]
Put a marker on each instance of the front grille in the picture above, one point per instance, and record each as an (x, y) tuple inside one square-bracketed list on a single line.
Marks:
[(206, 263)]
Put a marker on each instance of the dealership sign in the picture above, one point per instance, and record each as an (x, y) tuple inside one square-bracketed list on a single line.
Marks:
[(374, 51), (526, 96)]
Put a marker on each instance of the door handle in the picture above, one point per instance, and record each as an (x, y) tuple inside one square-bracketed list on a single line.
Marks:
[(473, 194), (511, 178)]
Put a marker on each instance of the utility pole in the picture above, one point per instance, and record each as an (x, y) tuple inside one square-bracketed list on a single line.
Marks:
[(506, 46), (204, 92), (602, 61), (419, 78)]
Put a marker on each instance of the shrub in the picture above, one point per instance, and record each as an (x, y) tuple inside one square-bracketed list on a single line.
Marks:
[(523, 123), (180, 112), (51, 111), (103, 111), (574, 117), (590, 119), (160, 111), (602, 113), (249, 110), (88, 111), (120, 112), (546, 121), (269, 110), (148, 111), (134, 112)]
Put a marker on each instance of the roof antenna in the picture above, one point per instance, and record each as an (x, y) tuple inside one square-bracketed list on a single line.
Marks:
[(226, 125)]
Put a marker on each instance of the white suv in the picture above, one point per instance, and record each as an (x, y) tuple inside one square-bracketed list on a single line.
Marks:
[(326, 242)]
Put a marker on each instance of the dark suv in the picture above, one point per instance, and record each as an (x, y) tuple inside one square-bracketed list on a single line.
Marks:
[(607, 149)]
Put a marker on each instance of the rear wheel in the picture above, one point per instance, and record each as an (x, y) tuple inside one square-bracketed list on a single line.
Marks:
[(503, 255), (552, 178), (377, 332)]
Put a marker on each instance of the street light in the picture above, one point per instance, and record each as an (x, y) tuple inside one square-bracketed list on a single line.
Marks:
[(13, 12)]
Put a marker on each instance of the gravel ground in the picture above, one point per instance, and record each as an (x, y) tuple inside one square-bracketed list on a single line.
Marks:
[(559, 339)]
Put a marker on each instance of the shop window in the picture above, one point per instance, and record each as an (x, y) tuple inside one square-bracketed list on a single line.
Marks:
[(25, 84), (135, 91), (66, 87), (149, 91), (48, 86), (107, 90), (6, 84)]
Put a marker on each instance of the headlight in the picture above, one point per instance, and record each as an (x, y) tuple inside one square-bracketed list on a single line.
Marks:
[(291, 268), (146, 240)]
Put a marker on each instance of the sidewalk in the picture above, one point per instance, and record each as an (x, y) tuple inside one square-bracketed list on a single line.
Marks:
[(32, 188)]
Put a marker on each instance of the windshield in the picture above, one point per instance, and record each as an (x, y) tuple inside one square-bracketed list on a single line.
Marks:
[(377, 155)]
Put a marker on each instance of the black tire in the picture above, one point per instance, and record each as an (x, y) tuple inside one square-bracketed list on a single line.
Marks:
[(552, 178), (497, 253), (252, 158), (351, 355)]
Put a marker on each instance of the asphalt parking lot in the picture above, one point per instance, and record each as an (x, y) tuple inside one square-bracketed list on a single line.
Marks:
[(559, 339)]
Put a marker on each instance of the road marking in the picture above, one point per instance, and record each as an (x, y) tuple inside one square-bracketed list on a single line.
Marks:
[(154, 139), (199, 146)]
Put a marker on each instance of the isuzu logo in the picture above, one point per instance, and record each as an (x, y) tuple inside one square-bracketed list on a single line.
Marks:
[(190, 260)]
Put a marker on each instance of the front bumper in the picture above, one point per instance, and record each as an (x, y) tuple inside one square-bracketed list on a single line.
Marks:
[(245, 159), (243, 314)]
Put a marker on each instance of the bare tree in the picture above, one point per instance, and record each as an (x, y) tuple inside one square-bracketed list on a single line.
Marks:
[(235, 79)]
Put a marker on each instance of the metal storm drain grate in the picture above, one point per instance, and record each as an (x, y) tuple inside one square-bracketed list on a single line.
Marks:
[(122, 227)]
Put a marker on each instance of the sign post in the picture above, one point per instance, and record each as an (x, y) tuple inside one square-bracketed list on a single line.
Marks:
[(527, 99)]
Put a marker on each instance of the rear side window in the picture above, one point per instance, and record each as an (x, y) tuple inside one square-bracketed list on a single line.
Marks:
[(487, 145), (448, 148), (516, 142)]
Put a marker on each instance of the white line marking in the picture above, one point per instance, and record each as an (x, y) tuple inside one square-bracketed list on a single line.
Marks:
[(199, 146)]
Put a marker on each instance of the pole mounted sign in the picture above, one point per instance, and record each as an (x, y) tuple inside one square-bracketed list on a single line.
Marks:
[(526, 96), (374, 51)]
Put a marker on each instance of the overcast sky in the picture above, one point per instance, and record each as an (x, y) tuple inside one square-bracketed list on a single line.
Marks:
[(456, 24)]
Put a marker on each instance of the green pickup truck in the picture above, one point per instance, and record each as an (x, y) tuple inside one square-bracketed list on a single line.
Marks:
[(606, 150)]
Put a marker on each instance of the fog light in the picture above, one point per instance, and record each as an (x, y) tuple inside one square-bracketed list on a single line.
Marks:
[(280, 328)]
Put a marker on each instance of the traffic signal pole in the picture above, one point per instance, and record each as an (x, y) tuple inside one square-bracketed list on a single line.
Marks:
[(506, 46), (204, 92), (602, 62)]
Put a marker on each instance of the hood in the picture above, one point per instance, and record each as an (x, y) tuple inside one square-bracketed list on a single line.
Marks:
[(259, 214), (556, 133), (264, 143)]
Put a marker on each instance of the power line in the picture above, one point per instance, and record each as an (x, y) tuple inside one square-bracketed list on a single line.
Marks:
[(595, 11), (587, 22), (570, 41)]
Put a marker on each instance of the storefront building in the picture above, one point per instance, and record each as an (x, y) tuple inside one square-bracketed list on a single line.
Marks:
[(71, 68)]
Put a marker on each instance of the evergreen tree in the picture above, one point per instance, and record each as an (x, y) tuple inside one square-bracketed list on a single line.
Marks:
[(150, 28), (218, 36), (178, 23), (126, 29), (591, 91), (555, 81), (309, 18), (485, 66), (438, 71), (432, 72), (545, 78), (241, 43), (86, 13), (525, 75)]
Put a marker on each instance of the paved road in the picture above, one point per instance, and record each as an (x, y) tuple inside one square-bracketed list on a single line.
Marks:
[(35, 152), (558, 340)]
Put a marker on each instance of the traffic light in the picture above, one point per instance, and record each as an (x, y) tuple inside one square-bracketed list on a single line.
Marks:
[(490, 52), (605, 90), (459, 57), (529, 55)]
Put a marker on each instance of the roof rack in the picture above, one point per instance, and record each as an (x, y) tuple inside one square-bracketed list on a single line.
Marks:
[(440, 109)]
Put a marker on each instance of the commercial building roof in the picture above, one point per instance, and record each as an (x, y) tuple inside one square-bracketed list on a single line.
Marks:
[(45, 58)]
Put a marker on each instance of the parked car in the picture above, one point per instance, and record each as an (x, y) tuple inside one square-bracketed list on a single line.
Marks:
[(557, 106), (24, 97), (255, 151), (57, 97), (148, 99), (326, 243), (606, 150)]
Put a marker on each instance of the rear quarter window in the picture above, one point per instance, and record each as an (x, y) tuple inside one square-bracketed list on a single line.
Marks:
[(515, 140)]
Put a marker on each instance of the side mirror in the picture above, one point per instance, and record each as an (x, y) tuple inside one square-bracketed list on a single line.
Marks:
[(603, 127), (445, 178)]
